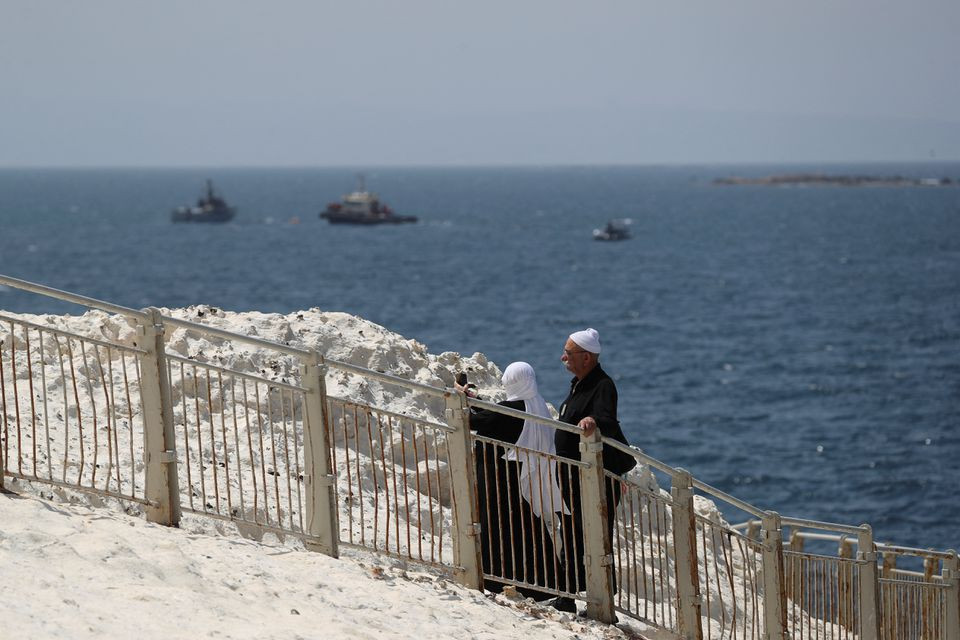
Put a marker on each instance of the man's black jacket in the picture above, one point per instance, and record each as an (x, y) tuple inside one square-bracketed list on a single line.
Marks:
[(595, 396)]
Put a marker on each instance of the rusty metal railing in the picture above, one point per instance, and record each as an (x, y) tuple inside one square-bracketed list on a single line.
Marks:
[(913, 604), (643, 533), (140, 423), (69, 410), (393, 482), (240, 446), (520, 546)]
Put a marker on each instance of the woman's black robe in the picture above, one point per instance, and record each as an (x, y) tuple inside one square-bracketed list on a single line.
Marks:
[(515, 543)]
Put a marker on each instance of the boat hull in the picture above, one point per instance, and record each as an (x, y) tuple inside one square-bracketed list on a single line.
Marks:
[(346, 218), (193, 215)]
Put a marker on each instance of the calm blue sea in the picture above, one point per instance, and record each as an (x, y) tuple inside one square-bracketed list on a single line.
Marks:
[(798, 347)]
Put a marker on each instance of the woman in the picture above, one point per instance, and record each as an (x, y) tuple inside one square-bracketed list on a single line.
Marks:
[(517, 490)]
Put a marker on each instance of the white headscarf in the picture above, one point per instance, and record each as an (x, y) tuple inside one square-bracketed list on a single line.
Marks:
[(536, 472)]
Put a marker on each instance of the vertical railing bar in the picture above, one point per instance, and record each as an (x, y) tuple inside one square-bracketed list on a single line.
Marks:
[(631, 552), (6, 431), (108, 414), (346, 454), (251, 450), (395, 503), (93, 406), (717, 565), (236, 441), (571, 551), (126, 387), (386, 489), (540, 566), (497, 461), (200, 456), (115, 418), (263, 455), (186, 434), (3, 399), (46, 408), (76, 398), (726, 539), (665, 566), (557, 516), (436, 444), (33, 405), (649, 592), (329, 423), (744, 549), (16, 398), (706, 572), (213, 445), (286, 455), (426, 459), (526, 537), (416, 461), (273, 455), (406, 496), (511, 491), (273, 449), (621, 539), (356, 459), (296, 454), (223, 441), (66, 410)]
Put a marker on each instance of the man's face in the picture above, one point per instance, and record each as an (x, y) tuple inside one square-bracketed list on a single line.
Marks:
[(575, 358)]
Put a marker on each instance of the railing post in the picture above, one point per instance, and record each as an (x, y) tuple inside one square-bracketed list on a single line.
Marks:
[(323, 522), (774, 595), (685, 550), (162, 485), (869, 584), (951, 578), (845, 583), (466, 538), (597, 546)]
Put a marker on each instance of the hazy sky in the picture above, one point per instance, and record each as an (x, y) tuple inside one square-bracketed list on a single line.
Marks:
[(377, 82)]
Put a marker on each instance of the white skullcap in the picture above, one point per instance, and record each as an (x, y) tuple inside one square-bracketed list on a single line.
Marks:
[(588, 340)]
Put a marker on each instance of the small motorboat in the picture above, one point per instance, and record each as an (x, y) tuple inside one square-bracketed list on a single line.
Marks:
[(210, 207), (362, 207), (616, 229)]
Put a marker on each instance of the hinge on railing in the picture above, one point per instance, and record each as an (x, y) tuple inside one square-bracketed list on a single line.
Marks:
[(605, 561), (591, 447), (323, 481), (473, 530), (164, 457)]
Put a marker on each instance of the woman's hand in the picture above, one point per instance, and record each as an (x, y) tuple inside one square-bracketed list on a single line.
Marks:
[(468, 389)]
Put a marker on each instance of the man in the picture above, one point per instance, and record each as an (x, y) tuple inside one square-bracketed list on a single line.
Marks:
[(591, 405)]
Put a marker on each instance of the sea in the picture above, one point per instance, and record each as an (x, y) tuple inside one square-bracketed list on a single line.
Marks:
[(797, 347)]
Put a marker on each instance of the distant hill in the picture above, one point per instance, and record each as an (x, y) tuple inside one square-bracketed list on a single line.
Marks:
[(837, 180)]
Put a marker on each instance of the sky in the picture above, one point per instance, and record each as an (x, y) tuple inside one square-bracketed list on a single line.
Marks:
[(445, 82)]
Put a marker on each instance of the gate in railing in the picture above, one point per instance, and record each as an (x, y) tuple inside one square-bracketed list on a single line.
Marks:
[(128, 418)]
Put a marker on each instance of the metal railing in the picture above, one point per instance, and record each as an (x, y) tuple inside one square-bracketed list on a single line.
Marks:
[(133, 419), (70, 411)]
